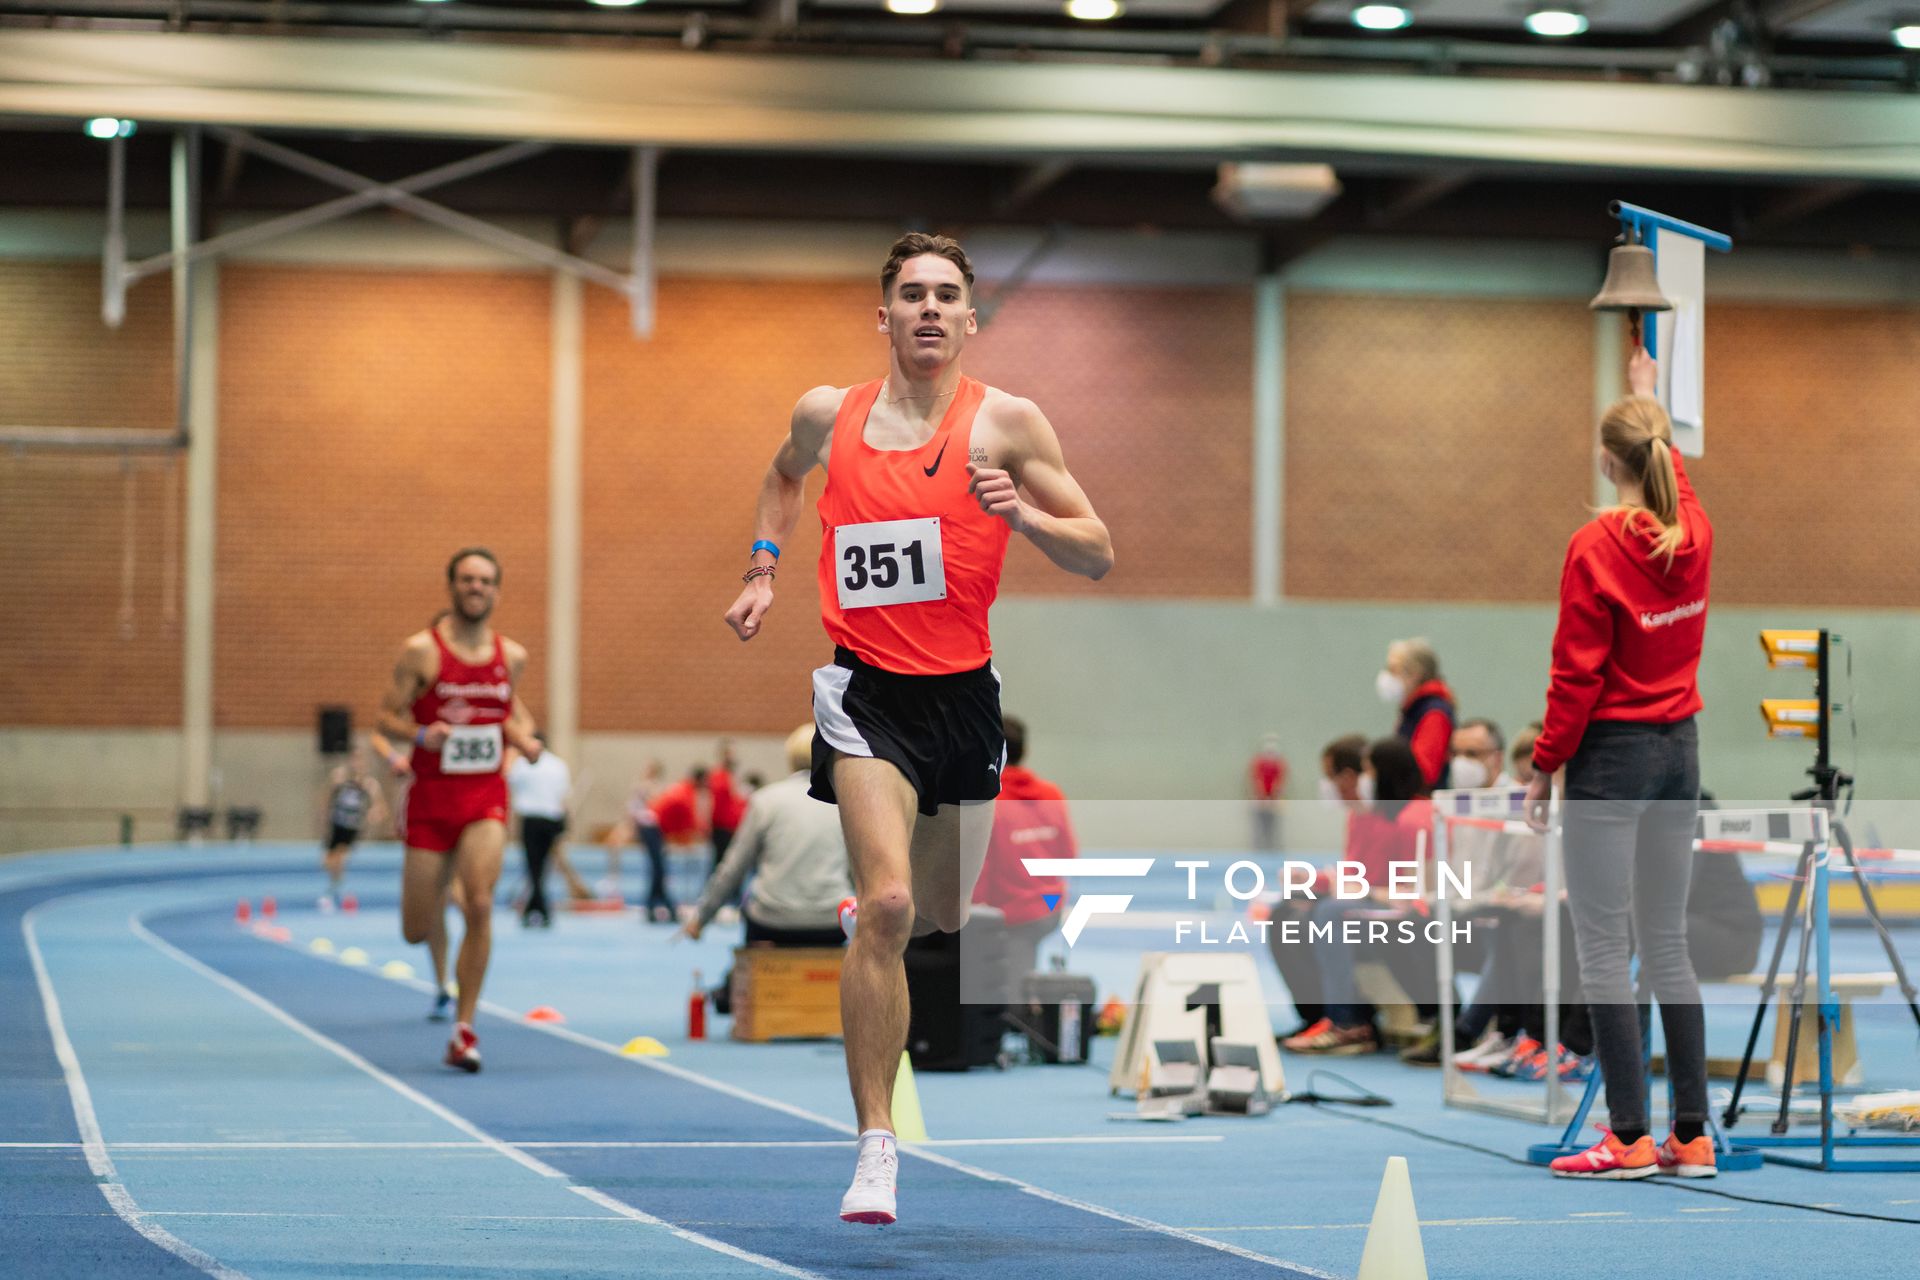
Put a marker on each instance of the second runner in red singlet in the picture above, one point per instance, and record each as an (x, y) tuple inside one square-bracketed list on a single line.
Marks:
[(462, 782)]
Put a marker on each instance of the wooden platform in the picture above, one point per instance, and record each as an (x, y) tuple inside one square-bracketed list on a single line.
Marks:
[(1806, 1061), (786, 993)]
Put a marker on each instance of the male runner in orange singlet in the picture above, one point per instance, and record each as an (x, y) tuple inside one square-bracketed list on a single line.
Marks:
[(928, 474)]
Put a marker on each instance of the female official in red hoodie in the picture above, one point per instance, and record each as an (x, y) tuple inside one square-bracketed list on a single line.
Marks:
[(1633, 602)]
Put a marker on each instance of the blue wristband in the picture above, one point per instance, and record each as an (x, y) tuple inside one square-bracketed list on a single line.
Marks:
[(764, 545), (420, 736)]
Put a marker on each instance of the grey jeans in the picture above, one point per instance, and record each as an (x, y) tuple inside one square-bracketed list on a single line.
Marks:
[(1633, 795)]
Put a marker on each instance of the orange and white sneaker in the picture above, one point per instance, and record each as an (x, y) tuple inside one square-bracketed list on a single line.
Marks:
[(463, 1051), (1688, 1159), (1312, 1031), (1611, 1158)]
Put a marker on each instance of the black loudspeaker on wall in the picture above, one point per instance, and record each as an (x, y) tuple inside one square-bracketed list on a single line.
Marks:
[(336, 730)]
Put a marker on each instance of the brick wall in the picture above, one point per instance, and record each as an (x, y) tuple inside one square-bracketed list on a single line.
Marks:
[(371, 422), (1437, 449), (1811, 452), (1149, 390), (60, 366), (81, 647)]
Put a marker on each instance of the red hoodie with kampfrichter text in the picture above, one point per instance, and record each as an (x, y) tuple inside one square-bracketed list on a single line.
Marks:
[(1631, 625)]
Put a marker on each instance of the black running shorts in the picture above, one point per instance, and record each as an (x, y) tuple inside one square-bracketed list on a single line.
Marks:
[(942, 732)]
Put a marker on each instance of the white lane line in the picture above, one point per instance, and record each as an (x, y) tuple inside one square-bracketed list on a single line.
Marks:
[(453, 1118), (98, 1161), (585, 1145), (607, 1202), (1574, 1220), (1714, 1209), (913, 1149), (1611, 1213), (363, 1217)]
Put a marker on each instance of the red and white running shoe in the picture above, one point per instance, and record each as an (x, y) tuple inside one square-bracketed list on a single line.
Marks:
[(1610, 1158), (463, 1051), (871, 1197)]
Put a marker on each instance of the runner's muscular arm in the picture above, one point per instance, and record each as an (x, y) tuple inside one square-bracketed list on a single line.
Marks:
[(1059, 520), (411, 675), (782, 494)]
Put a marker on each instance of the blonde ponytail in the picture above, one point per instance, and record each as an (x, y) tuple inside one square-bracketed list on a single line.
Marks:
[(1663, 498), (1637, 432)]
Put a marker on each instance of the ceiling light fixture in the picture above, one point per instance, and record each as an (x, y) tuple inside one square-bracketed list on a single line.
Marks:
[(104, 127), (1093, 10), (1381, 17), (912, 8), (1557, 23), (1907, 35)]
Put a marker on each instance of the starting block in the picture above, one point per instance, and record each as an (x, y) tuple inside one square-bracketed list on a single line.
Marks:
[(1198, 1000), (1234, 1085), (1169, 1087)]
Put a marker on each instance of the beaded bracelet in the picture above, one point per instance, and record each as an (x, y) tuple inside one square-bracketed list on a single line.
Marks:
[(758, 571)]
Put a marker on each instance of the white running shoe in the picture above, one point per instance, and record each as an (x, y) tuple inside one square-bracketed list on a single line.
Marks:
[(1493, 1048), (871, 1197)]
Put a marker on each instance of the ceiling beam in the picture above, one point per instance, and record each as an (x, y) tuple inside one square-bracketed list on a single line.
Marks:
[(1032, 181), (1392, 205), (1783, 209), (1782, 13), (1273, 18), (973, 110)]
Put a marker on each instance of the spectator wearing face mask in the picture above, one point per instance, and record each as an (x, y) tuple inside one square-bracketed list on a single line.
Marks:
[(1411, 682), (1343, 779), (1479, 754)]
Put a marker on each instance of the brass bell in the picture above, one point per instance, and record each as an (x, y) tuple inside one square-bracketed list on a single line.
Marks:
[(1631, 284)]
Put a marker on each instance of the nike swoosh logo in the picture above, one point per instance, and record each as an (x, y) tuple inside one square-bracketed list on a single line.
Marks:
[(936, 457)]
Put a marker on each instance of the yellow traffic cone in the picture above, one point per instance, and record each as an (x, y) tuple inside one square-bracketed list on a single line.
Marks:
[(1393, 1250), (908, 1124)]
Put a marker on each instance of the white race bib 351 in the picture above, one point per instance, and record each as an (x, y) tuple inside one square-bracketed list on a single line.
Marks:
[(889, 562), (472, 748)]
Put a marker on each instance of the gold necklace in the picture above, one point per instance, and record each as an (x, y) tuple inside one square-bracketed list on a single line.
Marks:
[(887, 387)]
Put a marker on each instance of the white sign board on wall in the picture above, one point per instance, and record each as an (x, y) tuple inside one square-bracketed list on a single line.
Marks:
[(1680, 337)]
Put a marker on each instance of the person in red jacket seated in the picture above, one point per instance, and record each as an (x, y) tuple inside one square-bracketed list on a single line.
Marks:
[(1385, 832), (1620, 722), (1412, 683), (1029, 821)]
